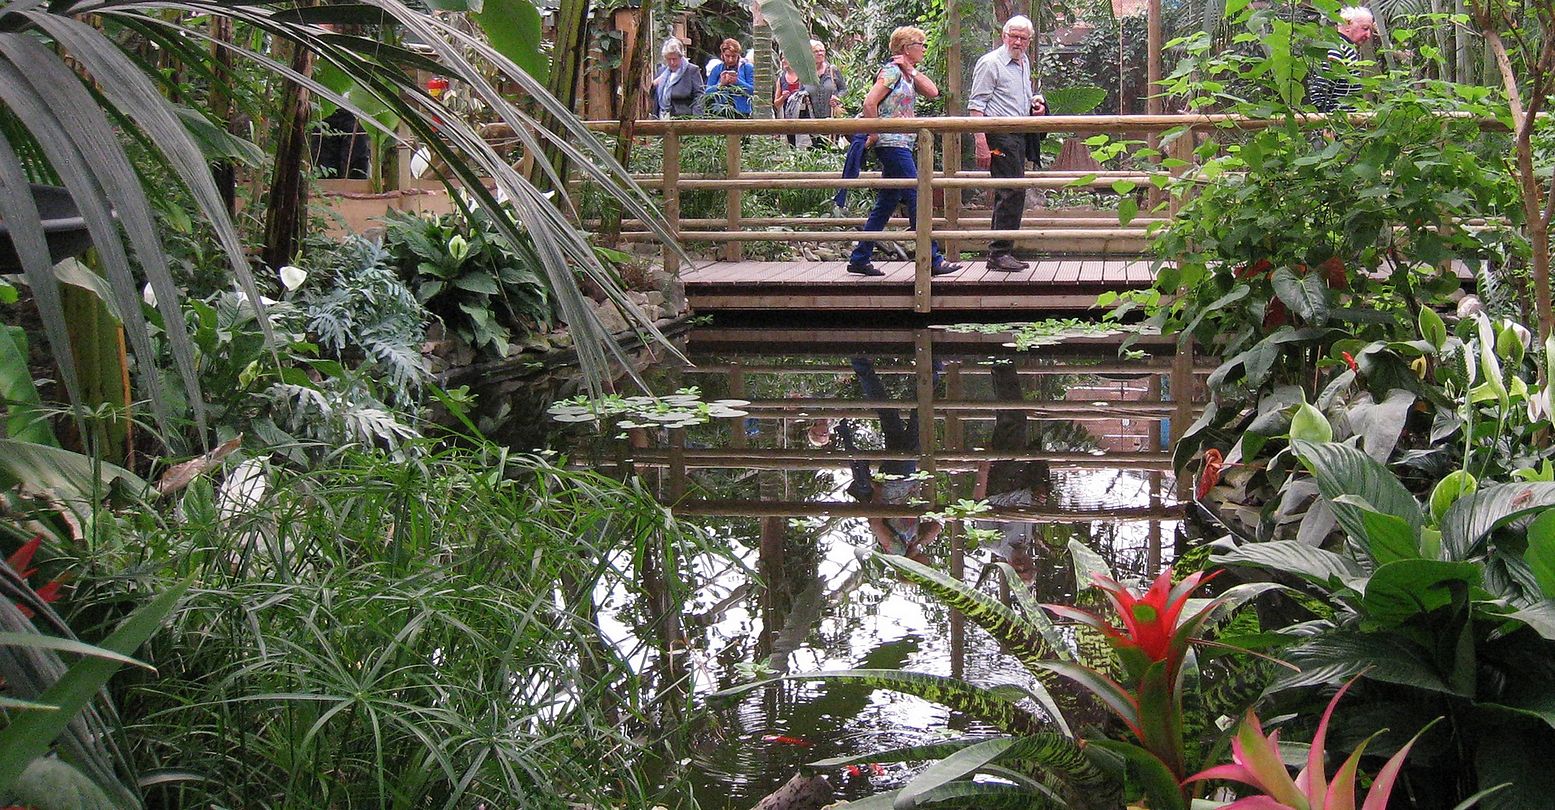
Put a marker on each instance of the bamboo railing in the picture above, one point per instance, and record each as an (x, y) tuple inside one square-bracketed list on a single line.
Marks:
[(950, 226)]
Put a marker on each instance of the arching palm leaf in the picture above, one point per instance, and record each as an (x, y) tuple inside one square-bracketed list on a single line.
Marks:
[(76, 121)]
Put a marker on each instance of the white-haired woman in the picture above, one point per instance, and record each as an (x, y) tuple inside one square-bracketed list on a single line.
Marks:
[(1330, 85), (825, 94), (677, 89)]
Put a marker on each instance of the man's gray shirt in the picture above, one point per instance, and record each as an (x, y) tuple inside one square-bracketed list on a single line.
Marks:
[(1001, 86)]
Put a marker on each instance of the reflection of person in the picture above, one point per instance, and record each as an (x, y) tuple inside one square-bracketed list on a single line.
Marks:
[(1012, 483), (896, 89), (1330, 85), (677, 89), (1001, 86), (731, 83), (902, 536)]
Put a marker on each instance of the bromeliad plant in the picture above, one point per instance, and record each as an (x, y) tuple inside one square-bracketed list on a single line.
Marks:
[(1256, 762), (1152, 649)]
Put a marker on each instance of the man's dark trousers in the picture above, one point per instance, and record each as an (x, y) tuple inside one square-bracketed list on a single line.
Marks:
[(1006, 158)]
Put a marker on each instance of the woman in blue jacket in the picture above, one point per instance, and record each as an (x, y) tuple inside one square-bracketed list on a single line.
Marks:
[(731, 83)]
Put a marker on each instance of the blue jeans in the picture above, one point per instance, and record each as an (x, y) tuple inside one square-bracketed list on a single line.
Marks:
[(895, 162), (852, 165)]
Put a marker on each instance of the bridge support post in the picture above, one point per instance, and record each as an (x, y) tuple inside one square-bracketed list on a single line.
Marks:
[(733, 251), (671, 258), (924, 225)]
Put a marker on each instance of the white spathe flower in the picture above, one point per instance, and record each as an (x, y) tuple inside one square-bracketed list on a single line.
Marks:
[(293, 276), (149, 296)]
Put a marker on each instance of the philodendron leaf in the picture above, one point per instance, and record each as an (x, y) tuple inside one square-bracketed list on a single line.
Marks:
[(1432, 328), (1306, 296), (1470, 520), (513, 27), (1540, 555), (1343, 470), (1309, 424)]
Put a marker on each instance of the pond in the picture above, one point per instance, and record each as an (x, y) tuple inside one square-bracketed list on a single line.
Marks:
[(1064, 440)]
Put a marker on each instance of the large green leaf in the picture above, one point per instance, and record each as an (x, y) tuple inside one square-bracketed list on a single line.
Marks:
[(1405, 590), (961, 763), (1315, 565), (1305, 295), (956, 694), (975, 795), (24, 419), (1385, 656), (72, 476), (49, 783), (1470, 520), (1343, 470), (1388, 537), (31, 733), (513, 27), (1540, 555), (792, 32)]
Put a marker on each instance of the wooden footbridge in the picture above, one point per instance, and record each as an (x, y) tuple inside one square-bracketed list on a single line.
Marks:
[(1074, 255)]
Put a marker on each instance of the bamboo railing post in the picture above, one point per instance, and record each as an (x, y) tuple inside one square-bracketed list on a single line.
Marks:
[(671, 187), (733, 251), (924, 225)]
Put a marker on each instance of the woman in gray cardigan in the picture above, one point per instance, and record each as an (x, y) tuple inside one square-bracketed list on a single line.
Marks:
[(677, 89)]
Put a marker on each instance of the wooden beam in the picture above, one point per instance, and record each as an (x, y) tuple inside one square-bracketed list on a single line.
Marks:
[(1036, 514)]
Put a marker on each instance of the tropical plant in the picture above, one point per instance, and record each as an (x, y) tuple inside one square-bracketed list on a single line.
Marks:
[(485, 290), (72, 88), (1256, 762), (359, 309), (372, 632), (1440, 612)]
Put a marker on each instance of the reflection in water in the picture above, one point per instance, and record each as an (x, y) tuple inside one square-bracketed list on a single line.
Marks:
[(843, 453)]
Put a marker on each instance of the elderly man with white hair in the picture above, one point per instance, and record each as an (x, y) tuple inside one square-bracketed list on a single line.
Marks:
[(1001, 86), (1330, 84)]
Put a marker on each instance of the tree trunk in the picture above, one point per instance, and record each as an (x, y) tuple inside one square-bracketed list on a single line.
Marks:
[(224, 172), (761, 45), (633, 69), (567, 61), (286, 213)]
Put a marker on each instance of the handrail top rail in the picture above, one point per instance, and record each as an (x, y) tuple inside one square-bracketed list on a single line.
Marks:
[(970, 123)]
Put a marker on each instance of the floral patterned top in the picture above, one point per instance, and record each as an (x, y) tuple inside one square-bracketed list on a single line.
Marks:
[(897, 104)]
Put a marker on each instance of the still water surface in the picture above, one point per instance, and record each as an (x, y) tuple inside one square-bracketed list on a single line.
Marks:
[(1065, 440)]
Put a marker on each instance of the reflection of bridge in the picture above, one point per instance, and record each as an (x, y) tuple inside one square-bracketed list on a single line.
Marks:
[(794, 379)]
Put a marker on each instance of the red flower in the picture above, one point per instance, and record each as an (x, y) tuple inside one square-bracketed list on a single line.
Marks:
[(20, 562), (1210, 476), (1255, 269), (1149, 619), (1350, 361)]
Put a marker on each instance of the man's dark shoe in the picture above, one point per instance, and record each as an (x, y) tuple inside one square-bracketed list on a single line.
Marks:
[(865, 269), (1006, 264), (945, 269)]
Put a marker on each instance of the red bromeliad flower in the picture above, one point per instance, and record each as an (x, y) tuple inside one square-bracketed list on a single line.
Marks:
[(1150, 620), (20, 560), (1151, 645)]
